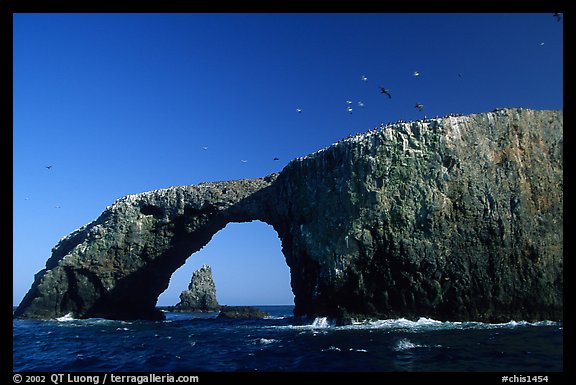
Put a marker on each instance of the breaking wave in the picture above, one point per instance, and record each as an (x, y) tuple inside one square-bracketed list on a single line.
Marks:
[(422, 324), (426, 324), (405, 344), (322, 323), (66, 318)]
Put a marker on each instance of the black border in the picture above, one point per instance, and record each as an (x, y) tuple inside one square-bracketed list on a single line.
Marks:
[(261, 6), (9, 7)]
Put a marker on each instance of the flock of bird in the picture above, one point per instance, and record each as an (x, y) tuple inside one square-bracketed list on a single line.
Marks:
[(386, 92), (419, 106), (360, 103), (383, 90), (349, 104)]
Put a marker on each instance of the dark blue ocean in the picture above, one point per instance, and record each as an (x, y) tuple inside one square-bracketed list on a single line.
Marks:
[(196, 342)]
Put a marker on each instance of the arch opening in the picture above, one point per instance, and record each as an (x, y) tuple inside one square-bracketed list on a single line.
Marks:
[(247, 264)]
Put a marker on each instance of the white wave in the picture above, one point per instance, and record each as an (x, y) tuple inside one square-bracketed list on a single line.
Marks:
[(358, 350), (422, 324), (267, 341), (405, 344), (276, 317), (123, 329), (403, 323), (514, 324), (321, 323), (331, 349), (65, 318)]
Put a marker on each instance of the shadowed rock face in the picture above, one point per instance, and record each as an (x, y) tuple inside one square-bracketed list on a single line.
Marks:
[(455, 218)]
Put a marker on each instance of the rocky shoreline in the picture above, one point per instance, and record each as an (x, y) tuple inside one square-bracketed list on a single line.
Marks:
[(225, 311)]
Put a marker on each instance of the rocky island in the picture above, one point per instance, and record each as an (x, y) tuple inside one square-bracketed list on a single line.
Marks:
[(241, 312), (201, 297), (453, 218), (201, 293)]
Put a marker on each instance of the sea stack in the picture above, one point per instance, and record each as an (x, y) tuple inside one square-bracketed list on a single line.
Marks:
[(201, 292)]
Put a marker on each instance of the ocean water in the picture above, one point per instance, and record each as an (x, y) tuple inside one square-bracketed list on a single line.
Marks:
[(196, 342)]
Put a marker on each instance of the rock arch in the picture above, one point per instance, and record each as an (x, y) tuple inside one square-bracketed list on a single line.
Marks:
[(455, 218), (118, 265)]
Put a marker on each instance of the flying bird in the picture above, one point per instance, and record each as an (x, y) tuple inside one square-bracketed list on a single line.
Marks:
[(558, 16), (49, 167), (204, 148), (416, 73), (385, 92), (57, 207), (349, 109), (419, 106), (276, 158), (243, 161), (541, 44), (364, 78), (299, 110), (360, 104)]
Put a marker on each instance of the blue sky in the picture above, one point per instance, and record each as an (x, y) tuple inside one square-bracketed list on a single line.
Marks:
[(125, 103)]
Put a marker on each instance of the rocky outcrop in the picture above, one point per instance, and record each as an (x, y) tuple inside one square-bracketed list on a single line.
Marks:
[(454, 218), (201, 293), (241, 312), (458, 218)]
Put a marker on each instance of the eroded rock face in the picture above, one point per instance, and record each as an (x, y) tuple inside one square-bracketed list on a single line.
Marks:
[(455, 218), (201, 292)]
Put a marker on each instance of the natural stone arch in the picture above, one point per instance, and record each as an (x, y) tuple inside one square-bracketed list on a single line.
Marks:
[(118, 265), (455, 218)]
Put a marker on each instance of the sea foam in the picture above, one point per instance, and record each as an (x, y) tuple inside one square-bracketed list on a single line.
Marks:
[(423, 324), (405, 344), (321, 323), (65, 318)]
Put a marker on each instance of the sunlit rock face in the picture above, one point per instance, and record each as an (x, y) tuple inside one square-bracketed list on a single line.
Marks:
[(201, 292), (454, 218)]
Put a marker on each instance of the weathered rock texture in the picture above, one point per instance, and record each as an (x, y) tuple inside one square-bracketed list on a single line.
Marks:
[(455, 218), (201, 292)]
